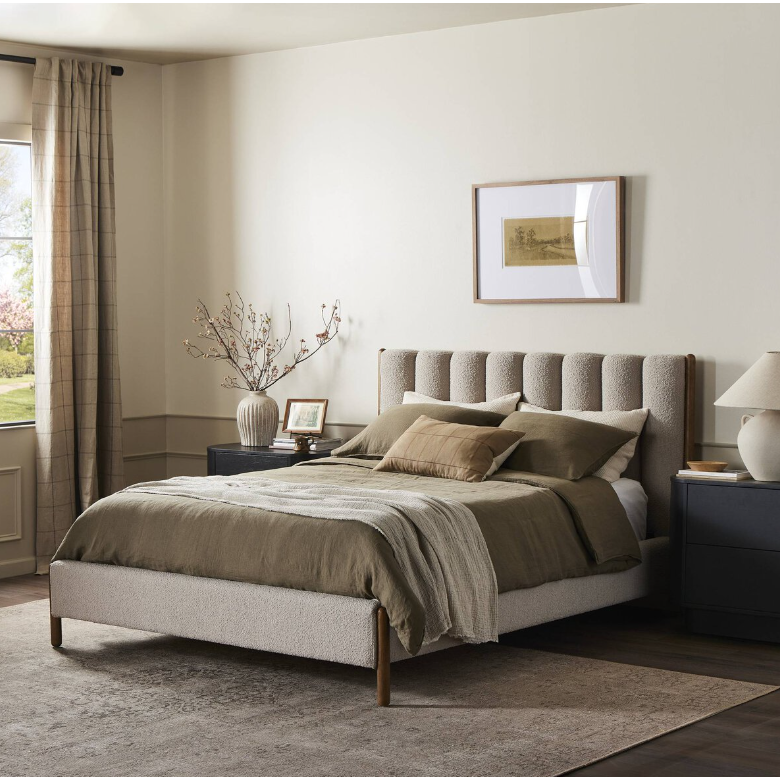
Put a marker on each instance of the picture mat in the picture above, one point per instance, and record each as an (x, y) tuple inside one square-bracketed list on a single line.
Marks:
[(592, 202)]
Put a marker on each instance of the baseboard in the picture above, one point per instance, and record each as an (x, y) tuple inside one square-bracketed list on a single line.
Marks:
[(17, 567)]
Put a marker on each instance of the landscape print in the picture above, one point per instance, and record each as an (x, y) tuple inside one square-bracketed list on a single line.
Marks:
[(536, 241)]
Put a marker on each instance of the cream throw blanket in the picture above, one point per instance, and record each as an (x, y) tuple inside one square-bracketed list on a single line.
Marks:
[(437, 542)]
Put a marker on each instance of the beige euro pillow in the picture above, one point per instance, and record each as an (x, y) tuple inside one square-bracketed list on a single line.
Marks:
[(505, 404), (432, 448), (632, 421)]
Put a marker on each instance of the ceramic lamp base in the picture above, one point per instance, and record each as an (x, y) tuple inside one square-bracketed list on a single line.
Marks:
[(759, 445)]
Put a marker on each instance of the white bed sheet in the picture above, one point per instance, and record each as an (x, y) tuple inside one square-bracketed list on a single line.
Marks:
[(634, 500)]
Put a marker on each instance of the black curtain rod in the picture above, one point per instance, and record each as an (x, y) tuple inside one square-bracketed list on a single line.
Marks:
[(116, 70)]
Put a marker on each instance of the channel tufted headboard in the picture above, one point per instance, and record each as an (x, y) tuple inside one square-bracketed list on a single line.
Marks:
[(664, 384)]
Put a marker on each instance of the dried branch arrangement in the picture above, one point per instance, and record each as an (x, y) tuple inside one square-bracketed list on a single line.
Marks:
[(245, 339)]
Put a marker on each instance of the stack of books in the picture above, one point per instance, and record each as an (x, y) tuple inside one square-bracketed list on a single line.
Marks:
[(731, 475), (316, 445)]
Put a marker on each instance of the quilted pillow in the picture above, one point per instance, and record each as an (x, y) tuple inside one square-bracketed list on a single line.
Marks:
[(432, 448)]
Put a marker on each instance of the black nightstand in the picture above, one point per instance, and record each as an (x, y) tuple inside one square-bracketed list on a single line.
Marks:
[(726, 539), (227, 459)]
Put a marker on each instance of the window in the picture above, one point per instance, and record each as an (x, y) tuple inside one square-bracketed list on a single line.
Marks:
[(17, 372)]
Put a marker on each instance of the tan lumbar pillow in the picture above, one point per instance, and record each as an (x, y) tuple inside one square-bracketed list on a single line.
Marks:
[(433, 448)]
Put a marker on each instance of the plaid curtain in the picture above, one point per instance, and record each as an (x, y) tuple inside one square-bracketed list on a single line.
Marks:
[(78, 405)]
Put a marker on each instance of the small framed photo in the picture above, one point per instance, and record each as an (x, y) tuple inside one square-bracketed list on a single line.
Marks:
[(305, 415), (556, 241)]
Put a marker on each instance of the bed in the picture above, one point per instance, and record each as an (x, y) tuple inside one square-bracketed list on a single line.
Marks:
[(357, 630)]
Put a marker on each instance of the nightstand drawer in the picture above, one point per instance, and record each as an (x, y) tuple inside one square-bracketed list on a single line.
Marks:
[(733, 517), (229, 464), (732, 579), (227, 460)]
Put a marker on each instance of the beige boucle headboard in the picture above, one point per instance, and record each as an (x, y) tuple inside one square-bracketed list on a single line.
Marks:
[(664, 384)]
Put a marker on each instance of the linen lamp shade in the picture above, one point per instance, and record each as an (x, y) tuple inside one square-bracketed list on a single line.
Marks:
[(758, 387)]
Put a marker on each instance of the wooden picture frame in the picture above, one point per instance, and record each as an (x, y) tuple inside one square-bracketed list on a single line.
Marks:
[(592, 255), (291, 411)]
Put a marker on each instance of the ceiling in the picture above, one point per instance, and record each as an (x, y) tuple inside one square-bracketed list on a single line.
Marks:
[(165, 33)]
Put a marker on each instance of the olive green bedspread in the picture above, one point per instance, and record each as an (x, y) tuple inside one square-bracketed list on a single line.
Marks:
[(537, 529)]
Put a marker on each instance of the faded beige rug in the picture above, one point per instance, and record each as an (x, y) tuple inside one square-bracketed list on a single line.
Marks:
[(119, 702)]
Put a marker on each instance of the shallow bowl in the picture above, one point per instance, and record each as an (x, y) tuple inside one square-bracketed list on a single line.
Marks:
[(707, 465)]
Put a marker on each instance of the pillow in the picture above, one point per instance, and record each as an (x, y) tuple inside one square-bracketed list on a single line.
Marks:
[(559, 446), (506, 404), (385, 430), (432, 448), (632, 496), (633, 421)]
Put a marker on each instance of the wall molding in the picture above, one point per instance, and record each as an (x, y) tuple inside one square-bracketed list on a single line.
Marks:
[(163, 438), (16, 533), (220, 417), (193, 455), (145, 456)]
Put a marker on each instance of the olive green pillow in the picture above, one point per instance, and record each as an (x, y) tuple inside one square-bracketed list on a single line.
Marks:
[(380, 435), (564, 447)]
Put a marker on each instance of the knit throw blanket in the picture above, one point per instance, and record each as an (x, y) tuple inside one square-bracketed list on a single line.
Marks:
[(437, 542)]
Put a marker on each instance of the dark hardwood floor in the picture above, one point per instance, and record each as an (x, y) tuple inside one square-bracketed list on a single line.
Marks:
[(742, 741), (20, 590)]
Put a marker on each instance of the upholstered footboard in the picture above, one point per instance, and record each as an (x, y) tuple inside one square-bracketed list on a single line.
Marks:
[(260, 617), (312, 625)]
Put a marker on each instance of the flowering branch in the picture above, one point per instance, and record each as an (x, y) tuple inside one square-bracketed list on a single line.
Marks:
[(246, 341), (16, 317)]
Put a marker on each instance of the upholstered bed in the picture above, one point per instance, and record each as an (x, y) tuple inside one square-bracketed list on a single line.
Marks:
[(356, 631)]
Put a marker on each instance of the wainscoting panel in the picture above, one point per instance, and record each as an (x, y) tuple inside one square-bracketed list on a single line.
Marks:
[(10, 503), (17, 500)]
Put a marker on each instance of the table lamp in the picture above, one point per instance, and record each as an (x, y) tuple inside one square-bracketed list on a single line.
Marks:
[(759, 437)]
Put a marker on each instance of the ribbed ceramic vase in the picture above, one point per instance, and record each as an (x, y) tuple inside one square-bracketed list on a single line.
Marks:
[(257, 417)]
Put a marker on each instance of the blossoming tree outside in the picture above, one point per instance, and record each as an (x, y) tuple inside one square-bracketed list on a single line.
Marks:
[(17, 380)]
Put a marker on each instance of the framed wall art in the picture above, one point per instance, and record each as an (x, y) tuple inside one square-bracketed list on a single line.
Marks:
[(553, 241)]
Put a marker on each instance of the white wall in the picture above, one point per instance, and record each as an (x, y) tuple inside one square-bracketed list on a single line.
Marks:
[(137, 104), (345, 170)]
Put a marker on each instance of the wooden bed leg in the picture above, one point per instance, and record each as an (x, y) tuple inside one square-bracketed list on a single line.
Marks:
[(382, 658), (56, 631)]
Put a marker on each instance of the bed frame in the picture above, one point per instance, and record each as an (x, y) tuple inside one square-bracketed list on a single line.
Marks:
[(356, 631)]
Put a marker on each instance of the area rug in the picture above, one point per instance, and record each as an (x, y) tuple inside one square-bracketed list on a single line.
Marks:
[(113, 701)]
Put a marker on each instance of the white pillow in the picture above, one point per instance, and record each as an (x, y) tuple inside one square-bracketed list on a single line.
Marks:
[(632, 421), (498, 461), (632, 496), (506, 404)]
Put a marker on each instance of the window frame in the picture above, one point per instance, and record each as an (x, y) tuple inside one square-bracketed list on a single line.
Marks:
[(17, 135)]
